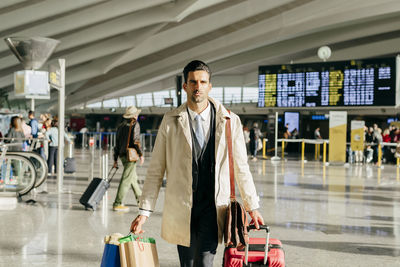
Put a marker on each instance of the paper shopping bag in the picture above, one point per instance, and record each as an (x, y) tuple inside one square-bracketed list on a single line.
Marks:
[(136, 251), (111, 251)]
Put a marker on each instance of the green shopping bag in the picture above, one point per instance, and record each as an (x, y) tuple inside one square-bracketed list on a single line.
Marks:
[(138, 251)]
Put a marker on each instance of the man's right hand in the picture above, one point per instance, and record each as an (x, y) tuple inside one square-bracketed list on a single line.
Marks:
[(136, 226)]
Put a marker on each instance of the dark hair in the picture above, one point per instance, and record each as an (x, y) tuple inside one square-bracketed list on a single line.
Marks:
[(16, 123), (31, 113), (195, 65), (54, 123)]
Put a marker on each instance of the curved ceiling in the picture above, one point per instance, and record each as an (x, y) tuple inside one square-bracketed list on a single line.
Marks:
[(116, 48)]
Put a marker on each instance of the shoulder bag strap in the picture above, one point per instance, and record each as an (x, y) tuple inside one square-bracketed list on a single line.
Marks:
[(129, 135), (229, 142)]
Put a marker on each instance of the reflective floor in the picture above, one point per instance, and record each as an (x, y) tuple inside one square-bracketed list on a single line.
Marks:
[(324, 216)]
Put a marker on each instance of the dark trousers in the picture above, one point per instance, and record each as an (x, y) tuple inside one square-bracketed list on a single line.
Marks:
[(203, 240), (52, 160)]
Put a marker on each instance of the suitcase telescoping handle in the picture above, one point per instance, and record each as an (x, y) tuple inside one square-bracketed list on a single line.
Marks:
[(246, 252), (116, 169)]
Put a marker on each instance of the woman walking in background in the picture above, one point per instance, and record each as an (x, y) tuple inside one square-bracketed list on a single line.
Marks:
[(52, 137), (15, 134)]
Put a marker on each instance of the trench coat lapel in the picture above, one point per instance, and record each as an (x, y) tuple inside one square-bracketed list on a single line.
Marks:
[(221, 115), (183, 121)]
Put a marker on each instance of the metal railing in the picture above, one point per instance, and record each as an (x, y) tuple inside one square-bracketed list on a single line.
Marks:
[(17, 173), (325, 142)]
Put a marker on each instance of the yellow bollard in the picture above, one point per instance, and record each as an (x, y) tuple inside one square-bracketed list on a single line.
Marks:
[(379, 155), (324, 153), (265, 148), (303, 146), (398, 162), (283, 149), (315, 152)]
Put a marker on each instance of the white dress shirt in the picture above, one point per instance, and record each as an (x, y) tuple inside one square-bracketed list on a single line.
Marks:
[(205, 119), (205, 122)]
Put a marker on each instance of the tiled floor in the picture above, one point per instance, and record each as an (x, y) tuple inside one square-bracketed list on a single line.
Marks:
[(325, 216)]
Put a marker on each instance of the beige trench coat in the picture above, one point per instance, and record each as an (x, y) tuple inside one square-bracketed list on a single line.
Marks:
[(172, 155)]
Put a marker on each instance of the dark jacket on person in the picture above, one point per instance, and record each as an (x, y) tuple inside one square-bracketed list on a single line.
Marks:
[(19, 136), (122, 139)]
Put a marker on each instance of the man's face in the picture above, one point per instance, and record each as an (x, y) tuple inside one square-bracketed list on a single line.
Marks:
[(198, 86)]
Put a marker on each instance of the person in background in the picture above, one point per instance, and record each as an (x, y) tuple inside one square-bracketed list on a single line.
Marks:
[(317, 134), (377, 140), (34, 124), (129, 176), (386, 152), (294, 134), (27, 133), (255, 135), (369, 140), (52, 137), (15, 134), (287, 134), (392, 134)]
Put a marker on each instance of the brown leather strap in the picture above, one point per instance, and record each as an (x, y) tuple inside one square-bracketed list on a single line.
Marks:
[(229, 142), (129, 135)]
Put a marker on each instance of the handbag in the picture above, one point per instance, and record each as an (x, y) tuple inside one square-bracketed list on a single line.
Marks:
[(235, 234), (111, 251), (136, 251), (131, 153)]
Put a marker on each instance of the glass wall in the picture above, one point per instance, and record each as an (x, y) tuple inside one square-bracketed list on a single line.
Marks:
[(226, 95), (127, 101), (145, 100)]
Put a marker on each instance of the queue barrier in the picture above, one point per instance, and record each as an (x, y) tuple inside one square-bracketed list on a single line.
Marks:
[(303, 142), (324, 142)]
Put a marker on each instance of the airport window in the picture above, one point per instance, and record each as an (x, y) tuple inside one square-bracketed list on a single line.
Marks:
[(144, 100), (111, 103), (232, 95), (250, 95), (127, 101), (159, 98), (94, 105), (217, 93)]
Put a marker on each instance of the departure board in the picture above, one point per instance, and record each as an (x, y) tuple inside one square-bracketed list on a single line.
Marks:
[(369, 82)]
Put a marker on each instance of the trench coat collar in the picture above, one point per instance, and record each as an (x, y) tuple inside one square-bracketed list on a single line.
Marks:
[(221, 114)]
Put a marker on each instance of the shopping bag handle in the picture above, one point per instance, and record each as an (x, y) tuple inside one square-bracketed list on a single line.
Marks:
[(138, 239)]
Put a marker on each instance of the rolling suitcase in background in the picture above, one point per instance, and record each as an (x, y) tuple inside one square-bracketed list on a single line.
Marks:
[(255, 253), (69, 165), (95, 192)]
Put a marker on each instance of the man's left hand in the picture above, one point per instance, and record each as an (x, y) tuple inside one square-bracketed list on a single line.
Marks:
[(256, 218)]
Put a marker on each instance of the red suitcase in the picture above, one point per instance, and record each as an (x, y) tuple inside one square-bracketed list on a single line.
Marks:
[(255, 253)]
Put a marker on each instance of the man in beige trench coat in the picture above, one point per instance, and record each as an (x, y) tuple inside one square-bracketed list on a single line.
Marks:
[(191, 149)]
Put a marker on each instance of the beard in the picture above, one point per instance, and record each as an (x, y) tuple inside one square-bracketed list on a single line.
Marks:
[(197, 99)]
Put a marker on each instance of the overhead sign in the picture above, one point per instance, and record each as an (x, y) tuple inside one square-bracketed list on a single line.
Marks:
[(55, 76), (369, 82), (31, 84)]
